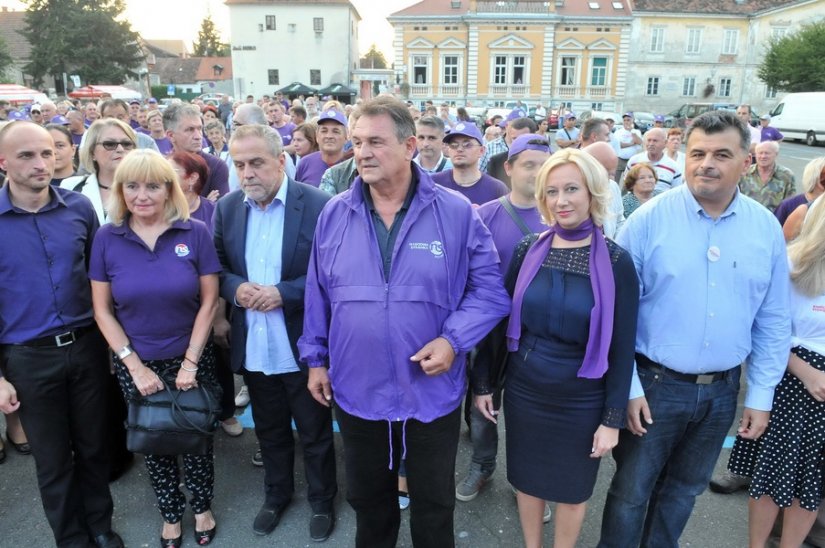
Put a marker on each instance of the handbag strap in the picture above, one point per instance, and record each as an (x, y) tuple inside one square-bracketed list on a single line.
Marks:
[(179, 415), (508, 207)]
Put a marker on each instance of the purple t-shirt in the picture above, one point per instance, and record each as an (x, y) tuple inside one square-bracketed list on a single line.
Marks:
[(204, 213), (77, 139), (156, 294), (311, 168), (485, 189), (788, 206), (286, 132), (164, 146), (506, 233)]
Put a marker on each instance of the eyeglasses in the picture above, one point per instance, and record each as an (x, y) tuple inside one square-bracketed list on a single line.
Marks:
[(112, 145), (466, 145)]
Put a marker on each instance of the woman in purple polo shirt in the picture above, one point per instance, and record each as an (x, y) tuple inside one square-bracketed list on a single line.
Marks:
[(154, 278)]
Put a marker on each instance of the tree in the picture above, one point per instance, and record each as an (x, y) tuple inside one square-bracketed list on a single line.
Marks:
[(82, 37), (793, 63), (209, 43), (374, 59), (6, 60)]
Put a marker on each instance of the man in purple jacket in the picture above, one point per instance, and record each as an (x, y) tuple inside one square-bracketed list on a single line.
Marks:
[(403, 281)]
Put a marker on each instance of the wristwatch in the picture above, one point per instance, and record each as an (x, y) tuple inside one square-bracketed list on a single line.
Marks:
[(124, 352)]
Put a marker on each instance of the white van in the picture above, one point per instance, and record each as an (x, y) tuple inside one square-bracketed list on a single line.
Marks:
[(801, 116)]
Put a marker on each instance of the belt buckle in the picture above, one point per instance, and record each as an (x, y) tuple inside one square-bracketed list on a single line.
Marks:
[(64, 339), (706, 379)]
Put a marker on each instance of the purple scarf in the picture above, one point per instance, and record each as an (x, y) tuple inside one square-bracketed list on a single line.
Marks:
[(604, 294)]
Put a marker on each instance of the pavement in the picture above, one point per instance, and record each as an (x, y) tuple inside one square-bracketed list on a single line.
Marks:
[(489, 521)]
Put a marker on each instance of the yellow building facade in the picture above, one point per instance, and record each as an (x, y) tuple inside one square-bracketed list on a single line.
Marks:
[(489, 53)]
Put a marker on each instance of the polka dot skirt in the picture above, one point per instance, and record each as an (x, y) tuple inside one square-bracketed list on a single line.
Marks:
[(786, 462)]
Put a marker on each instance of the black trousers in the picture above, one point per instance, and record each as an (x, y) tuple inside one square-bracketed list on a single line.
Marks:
[(276, 400), (372, 479), (62, 393)]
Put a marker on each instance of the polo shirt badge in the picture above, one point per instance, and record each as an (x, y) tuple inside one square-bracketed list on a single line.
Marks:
[(181, 250)]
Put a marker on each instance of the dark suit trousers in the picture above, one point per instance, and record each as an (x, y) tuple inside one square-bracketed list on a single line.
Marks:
[(62, 394), (276, 400)]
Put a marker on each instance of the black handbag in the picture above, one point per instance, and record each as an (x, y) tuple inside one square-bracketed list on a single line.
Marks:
[(172, 421)]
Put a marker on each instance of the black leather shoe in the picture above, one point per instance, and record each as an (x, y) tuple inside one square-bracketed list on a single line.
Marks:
[(321, 526), (110, 539), (267, 519)]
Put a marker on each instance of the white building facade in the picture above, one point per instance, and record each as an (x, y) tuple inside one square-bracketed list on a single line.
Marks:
[(278, 42)]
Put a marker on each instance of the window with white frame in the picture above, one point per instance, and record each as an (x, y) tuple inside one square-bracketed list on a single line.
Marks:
[(770, 92), (270, 22), (449, 69), (730, 42), (598, 71), (694, 40), (272, 77), (519, 70), (421, 69), (318, 24), (652, 86), (657, 39), (778, 32), (724, 87), (500, 69), (568, 71), (689, 86)]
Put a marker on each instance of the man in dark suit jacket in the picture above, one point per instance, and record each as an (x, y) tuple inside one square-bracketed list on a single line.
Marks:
[(263, 234)]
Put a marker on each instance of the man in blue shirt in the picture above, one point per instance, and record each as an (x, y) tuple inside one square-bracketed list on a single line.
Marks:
[(54, 363), (714, 293), (263, 235)]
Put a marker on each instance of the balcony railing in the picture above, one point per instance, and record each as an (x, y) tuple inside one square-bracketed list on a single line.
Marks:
[(598, 92), (421, 90), (450, 90), (589, 92), (509, 91)]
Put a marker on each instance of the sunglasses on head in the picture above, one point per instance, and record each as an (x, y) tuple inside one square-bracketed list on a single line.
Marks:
[(112, 145)]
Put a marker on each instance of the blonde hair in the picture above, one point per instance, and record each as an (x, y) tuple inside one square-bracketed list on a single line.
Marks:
[(152, 113), (146, 165), (813, 175), (807, 254), (87, 154), (594, 177)]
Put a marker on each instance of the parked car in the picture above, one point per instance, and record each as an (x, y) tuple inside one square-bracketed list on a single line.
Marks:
[(604, 115), (801, 116), (213, 98), (684, 115)]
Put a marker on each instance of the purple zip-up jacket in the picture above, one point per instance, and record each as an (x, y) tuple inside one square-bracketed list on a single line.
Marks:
[(445, 281)]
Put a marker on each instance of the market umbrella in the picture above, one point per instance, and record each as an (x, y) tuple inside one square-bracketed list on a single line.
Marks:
[(20, 95), (297, 88)]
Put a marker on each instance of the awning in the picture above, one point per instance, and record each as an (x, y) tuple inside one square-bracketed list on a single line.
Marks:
[(338, 90), (95, 92), (20, 95), (297, 88)]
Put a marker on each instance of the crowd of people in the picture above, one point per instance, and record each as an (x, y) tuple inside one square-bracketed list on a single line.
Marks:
[(600, 289)]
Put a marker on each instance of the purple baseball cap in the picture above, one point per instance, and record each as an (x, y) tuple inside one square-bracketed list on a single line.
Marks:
[(134, 102), (627, 115), (659, 118), (570, 115), (15, 115), (333, 114), (59, 120), (516, 113), (467, 129), (153, 100), (529, 141)]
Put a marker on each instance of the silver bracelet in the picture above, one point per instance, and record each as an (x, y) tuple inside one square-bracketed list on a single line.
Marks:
[(182, 366)]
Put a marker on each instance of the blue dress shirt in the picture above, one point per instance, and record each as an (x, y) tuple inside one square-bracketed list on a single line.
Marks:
[(267, 344), (713, 292)]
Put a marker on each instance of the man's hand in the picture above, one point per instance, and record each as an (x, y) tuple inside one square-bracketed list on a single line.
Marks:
[(267, 299), (638, 412), (213, 196), (221, 330), (8, 397), (435, 357), (485, 405), (246, 292), (319, 385), (753, 423)]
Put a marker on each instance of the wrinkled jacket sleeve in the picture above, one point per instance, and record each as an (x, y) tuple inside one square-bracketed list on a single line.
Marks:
[(313, 346), (228, 278), (485, 300)]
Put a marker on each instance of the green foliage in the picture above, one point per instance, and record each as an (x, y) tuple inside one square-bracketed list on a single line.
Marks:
[(6, 60), (209, 42), (374, 59), (81, 37), (794, 63)]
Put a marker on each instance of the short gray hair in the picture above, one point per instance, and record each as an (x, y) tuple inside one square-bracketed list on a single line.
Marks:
[(269, 135), (397, 111), (175, 113)]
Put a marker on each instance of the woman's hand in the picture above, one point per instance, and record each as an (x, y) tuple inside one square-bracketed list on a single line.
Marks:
[(604, 440), (146, 381), (186, 379), (814, 382), (485, 405), (213, 196), (221, 330)]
